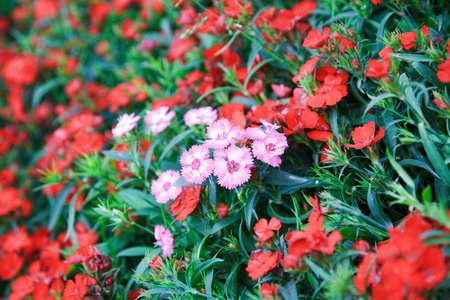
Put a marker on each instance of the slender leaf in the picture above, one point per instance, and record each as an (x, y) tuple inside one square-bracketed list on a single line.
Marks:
[(116, 155), (59, 205), (248, 208), (39, 92), (222, 223), (138, 251), (174, 142)]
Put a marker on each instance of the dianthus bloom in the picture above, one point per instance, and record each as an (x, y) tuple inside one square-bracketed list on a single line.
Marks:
[(125, 124), (270, 148), (159, 119), (163, 188), (403, 267), (307, 68), (164, 240), (76, 290), (196, 164), (262, 262), (264, 230), (315, 39), (269, 291), (330, 92), (444, 71), (222, 133), (203, 115), (186, 202), (378, 70), (408, 39), (233, 166), (364, 136)]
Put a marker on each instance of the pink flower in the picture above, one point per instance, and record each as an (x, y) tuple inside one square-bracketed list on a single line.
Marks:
[(259, 133), (270, 148), (203, 115), (164, 240), (159, 119), (125, 124), (196, 164), (222, 133), (233, 166), (163, 188), (281, 90)]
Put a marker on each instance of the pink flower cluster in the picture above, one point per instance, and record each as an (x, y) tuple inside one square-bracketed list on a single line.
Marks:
[(203, 115), (164, 240), (232, 164)]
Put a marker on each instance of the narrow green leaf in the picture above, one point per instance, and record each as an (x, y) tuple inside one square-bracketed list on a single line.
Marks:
[(418, 163), (204, 266), (400, 171), (412, 57), (376, 212), (41, 90), (278, 177), (138, 251), (317, 270), (159, 291), (148, 156), (135, 198), (374, 101), (174, 142), (222, 223), (380, 31), (248, 208), (254, 70), (71, 219), (249, 102), (116, 155), (58, 206), (427, 74), (433, 155), (219, 89)]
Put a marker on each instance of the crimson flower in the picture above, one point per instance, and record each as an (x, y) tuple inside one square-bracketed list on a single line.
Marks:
[(379, 70), (364, 136), (315, 39), (264, 230), (330, 92), (262, 262)]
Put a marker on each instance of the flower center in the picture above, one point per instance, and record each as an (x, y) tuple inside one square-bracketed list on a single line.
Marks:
[(167, 186), (232, 166), (196, 164)]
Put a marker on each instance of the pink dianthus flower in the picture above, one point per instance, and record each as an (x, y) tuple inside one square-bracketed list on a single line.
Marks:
[(196, 164), (159, 119), (259, 133), (163, 188), (164, 240), (203, 115), (233, 166), (270, 148), (125, 124), (222, 133)]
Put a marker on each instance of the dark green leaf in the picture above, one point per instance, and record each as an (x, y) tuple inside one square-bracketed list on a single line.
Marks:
[(222, 223), (138, 251), (118, 155), (59, 204), (248, 208), (41, 90), (174, 142)]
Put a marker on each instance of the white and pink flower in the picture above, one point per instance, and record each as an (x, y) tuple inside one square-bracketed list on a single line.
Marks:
[(159, 119), (233, 166), (164, 240), (203, 115), (270, 148), (197, 165), (222, 134), (163, 188), (125, 124)]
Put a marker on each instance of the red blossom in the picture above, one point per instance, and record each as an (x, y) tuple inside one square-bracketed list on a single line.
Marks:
[(364, 136), (262, 262), (264, 230), (329, 93), (378, 70), (407, 39), (444, 71), (315, 39), (222, 210)]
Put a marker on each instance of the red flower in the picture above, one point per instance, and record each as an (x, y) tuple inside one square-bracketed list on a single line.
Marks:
[(264, 230), (234, 9), (329, 93), (313, 239), (366, 273), (408, 39), (75, 290), (20, 70), (222, 210), (307, 68), (215, 22), (186, 202), (378, 70), (234, 112), (45, 9), (315, 39), (269, 291), (262, 262), (9, 200), (376, 2), (444, 71), (21, 287), (364, 136), (10, 265), (385, 52)]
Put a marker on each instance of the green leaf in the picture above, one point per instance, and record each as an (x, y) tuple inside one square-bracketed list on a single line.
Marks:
[(289, 291), (334, 123), (41, 90), (59, 204), (138, 251), (182, 182), (427, 74), (219, 89), (118, 155), (135, 198), (427, 196), (403, 174), (380, 31), (376, 212), (247, 101), (174, 142), (434, 156), (159, 291), (71, 219), (248, 208), (317, 270), (204, 266), (148, 156), (278, 177), (410, 98), (254, 70), (374, 101), (418, 163), (412, 57), (222, 223), (124, 182)]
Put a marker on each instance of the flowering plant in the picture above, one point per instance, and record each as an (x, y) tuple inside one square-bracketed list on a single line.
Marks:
[(227, 149)]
